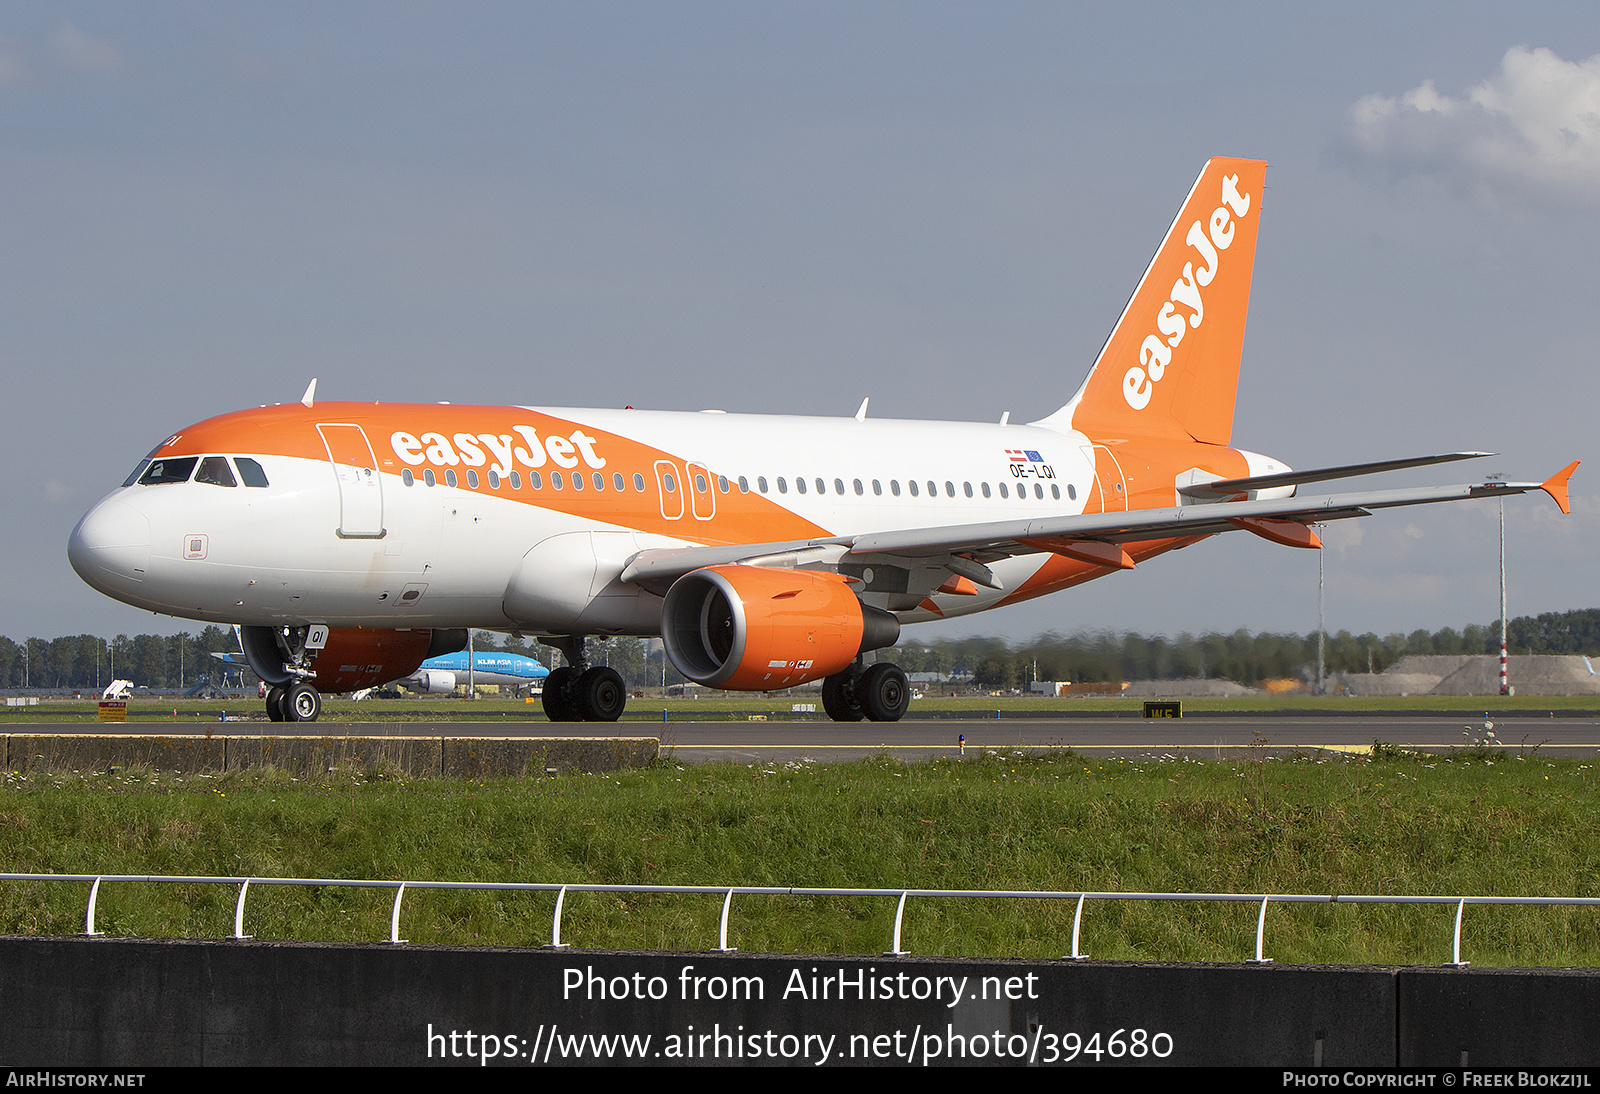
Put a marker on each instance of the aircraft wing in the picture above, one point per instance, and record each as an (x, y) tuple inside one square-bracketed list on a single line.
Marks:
[(1283, 520)]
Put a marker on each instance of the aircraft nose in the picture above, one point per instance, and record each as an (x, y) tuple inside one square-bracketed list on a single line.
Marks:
[(110, 547)]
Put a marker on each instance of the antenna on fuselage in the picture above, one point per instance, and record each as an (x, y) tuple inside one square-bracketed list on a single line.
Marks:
[(861, 411), (310, 396)]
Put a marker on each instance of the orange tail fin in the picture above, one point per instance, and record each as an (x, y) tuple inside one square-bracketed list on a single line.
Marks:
[(1171, 366)]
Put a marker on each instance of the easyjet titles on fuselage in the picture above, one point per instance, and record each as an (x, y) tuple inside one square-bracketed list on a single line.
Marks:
[(468, 449)]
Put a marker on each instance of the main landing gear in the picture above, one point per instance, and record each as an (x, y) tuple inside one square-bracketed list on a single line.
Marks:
[(579, 692), (880, 693)]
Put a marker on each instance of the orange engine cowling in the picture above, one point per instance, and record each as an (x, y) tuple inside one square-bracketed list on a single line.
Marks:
[(354, 659), (750, 628)]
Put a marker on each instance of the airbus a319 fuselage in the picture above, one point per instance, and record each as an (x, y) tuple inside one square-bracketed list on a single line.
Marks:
[(352, 540)]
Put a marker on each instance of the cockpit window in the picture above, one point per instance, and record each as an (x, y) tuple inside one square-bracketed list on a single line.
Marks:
[(215, 471), (137, 471), (174, 470), (250, 471)]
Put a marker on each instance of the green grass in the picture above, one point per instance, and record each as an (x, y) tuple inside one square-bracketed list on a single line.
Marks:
[(1481, 823)]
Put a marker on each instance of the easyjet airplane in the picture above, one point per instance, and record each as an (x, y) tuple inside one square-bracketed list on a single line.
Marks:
[(354, 540)]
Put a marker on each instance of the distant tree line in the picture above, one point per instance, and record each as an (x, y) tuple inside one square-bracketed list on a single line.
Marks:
[(87, 661), (1242, 656)]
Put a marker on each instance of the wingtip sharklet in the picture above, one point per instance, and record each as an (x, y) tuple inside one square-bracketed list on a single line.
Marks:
[(1556, 486)]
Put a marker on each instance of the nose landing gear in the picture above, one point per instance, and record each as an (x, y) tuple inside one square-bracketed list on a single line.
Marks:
[(294, 699)]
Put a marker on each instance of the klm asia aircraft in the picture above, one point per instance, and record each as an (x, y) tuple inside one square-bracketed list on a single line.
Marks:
[(441, 675)]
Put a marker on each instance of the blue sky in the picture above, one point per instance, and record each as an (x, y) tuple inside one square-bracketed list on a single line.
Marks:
[(786, 207)]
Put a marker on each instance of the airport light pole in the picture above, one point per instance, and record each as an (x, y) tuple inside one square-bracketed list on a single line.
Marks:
[(1322, 624), (1505, 688)]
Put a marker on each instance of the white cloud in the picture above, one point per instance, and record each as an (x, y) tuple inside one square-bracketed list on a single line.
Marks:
[(1532, 129), (79, 50)]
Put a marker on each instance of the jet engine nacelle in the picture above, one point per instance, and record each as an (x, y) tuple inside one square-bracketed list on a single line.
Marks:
[(751, 628), (350, 659), (433, 682)]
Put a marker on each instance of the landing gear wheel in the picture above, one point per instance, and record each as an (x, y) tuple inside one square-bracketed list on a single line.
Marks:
[(883, 693), (275, 704), (556, 700), (839, 693), (599, 695), (302, 703)]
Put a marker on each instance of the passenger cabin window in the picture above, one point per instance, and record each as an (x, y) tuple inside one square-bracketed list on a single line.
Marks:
[(638, 482), (450, 478), (894, 487), (472, 479), (516, 480), (822, 487), (165, 471), (616, 481), (406, 476), (599, 481), (427, 476), (783, 485), (214, 470), (913, 487), (877, 488), (799, 484)]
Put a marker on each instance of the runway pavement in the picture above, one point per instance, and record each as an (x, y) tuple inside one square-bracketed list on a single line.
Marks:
[(1205, 737)]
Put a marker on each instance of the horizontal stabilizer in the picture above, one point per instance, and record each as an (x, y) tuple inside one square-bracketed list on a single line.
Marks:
[(1227, 487), (1556, 485)]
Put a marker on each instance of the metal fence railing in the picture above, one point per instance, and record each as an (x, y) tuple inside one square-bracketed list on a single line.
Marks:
[(728, 892)]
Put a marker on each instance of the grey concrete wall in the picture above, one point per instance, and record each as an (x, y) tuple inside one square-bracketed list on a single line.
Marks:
[(142, 1003), (128, 1003)]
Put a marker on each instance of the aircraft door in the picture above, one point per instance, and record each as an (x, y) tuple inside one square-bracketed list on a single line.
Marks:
[(670, 489), (1108, 476), (702, 491), (360, 486)]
